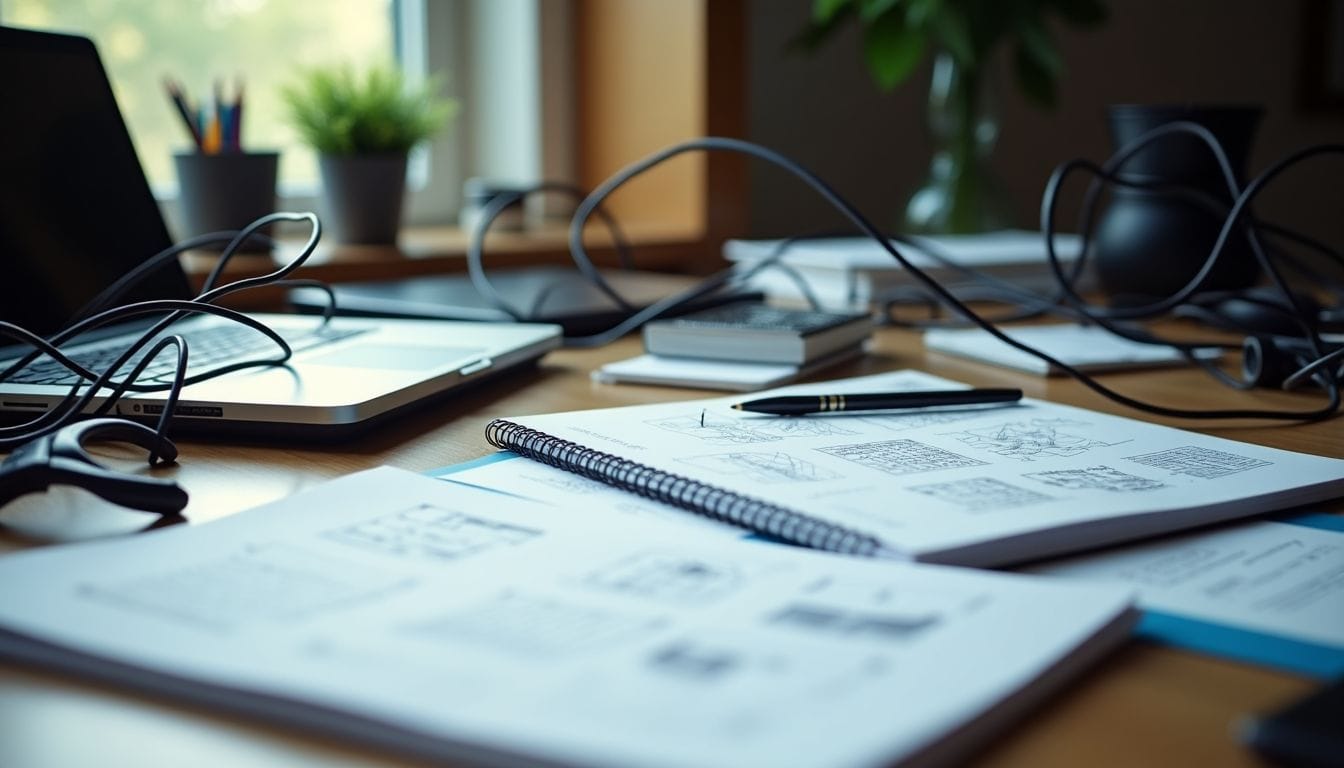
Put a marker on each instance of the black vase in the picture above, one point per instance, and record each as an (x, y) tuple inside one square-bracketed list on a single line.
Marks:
[(1148, 244)]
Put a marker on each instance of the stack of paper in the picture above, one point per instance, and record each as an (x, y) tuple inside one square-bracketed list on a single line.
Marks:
[(849, 273)]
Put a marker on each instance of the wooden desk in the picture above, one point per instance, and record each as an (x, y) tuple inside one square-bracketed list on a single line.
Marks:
[(1145, 705)]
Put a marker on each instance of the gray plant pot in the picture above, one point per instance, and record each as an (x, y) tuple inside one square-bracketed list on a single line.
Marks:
[(226, 191), (362, 196)]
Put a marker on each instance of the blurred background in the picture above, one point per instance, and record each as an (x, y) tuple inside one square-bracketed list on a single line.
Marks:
[(528, 86), (823, 109)]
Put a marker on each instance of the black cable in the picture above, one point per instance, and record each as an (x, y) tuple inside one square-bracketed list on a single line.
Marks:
[(95, 314), (1239, 210), (118, 289), (599, 194), (680, 299), (500, 203)]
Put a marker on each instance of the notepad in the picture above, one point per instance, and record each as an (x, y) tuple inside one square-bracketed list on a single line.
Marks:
[(713, 374), (1087, 348), (984, 487)]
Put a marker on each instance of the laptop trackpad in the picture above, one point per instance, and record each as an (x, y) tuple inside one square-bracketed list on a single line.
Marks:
[(393, 356)]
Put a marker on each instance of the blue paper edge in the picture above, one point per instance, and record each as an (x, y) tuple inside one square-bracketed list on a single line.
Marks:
[(1305, 658), (1302, 657), (1316, 520), (492, 458)]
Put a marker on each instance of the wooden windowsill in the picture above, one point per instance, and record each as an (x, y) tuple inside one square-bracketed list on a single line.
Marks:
[(443, 249)]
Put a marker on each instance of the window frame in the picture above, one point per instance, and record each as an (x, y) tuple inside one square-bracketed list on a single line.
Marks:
[(517, 116)]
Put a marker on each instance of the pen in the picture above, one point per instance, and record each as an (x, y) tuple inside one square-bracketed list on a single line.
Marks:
[(179, 99), (792, 406)]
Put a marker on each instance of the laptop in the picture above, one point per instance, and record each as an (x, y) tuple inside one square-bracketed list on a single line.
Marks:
[(544, 294), (77, 213)]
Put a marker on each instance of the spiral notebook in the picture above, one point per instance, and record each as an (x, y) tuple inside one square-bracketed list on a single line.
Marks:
[(980, 486)]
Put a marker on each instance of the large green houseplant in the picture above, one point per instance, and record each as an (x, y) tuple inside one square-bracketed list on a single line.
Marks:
[(363, 128), (964, 38)]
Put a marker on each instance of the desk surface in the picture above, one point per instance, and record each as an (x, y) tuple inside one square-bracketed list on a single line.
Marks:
[(1145, 705)]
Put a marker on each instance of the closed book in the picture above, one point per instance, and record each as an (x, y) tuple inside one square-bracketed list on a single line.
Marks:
[(756, 333)]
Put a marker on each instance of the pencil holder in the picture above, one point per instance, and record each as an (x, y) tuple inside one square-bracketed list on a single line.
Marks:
[(226, 191)]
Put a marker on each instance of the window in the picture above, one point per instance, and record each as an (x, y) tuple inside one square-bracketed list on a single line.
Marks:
[(494, 56), (216, 47)]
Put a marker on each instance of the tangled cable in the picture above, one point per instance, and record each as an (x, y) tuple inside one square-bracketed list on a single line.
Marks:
[(1066, 301), (111, 384)]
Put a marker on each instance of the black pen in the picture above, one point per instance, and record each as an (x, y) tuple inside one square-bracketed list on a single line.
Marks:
[(794, 406)]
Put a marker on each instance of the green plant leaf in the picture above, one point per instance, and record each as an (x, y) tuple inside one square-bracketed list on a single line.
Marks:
[(955, 36), (824, 11), (871, 10), (919, 14), (337, 112), (1035, 41), (892, 49), (1037, 82)]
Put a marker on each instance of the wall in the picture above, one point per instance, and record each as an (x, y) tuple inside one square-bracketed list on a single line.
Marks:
[(822, 109)]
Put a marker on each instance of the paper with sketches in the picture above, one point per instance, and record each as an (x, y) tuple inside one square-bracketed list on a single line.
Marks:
[(465, 625), (972, 486)]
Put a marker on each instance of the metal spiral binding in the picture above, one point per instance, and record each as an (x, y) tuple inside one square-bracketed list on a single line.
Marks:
[(677, 490)]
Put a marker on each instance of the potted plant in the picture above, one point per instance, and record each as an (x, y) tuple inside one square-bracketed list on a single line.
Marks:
[(363, 128), (963, 37)]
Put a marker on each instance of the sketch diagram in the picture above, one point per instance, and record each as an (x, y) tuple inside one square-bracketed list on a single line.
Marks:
[(533, 625), (713, 429), (695, 661), (1031, 440), (901, 457), (792, 426), (1198, 462), (765, 467), (667, 577), (722, 430), (1098, 478), (900, 422), (430, 532), (977, 494), (270, 583), (815, 617)]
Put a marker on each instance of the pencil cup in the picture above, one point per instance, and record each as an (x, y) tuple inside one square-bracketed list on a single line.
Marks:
[(226, 192)]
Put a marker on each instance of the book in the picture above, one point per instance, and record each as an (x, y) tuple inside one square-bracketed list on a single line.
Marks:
[(714, 374), (750, 332), (854, 273), (1087, 348), (461, 626), (979, 486)]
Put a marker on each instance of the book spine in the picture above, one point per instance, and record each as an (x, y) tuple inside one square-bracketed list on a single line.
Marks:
[(692, 495)]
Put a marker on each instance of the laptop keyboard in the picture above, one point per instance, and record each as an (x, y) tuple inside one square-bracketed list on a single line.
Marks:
[(207, 348)]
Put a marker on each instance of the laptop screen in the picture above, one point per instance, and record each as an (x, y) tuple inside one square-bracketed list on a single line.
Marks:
[(76, 211)]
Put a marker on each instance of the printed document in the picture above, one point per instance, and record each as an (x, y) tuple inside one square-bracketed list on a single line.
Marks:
[(461, 624), (1282, 579)]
